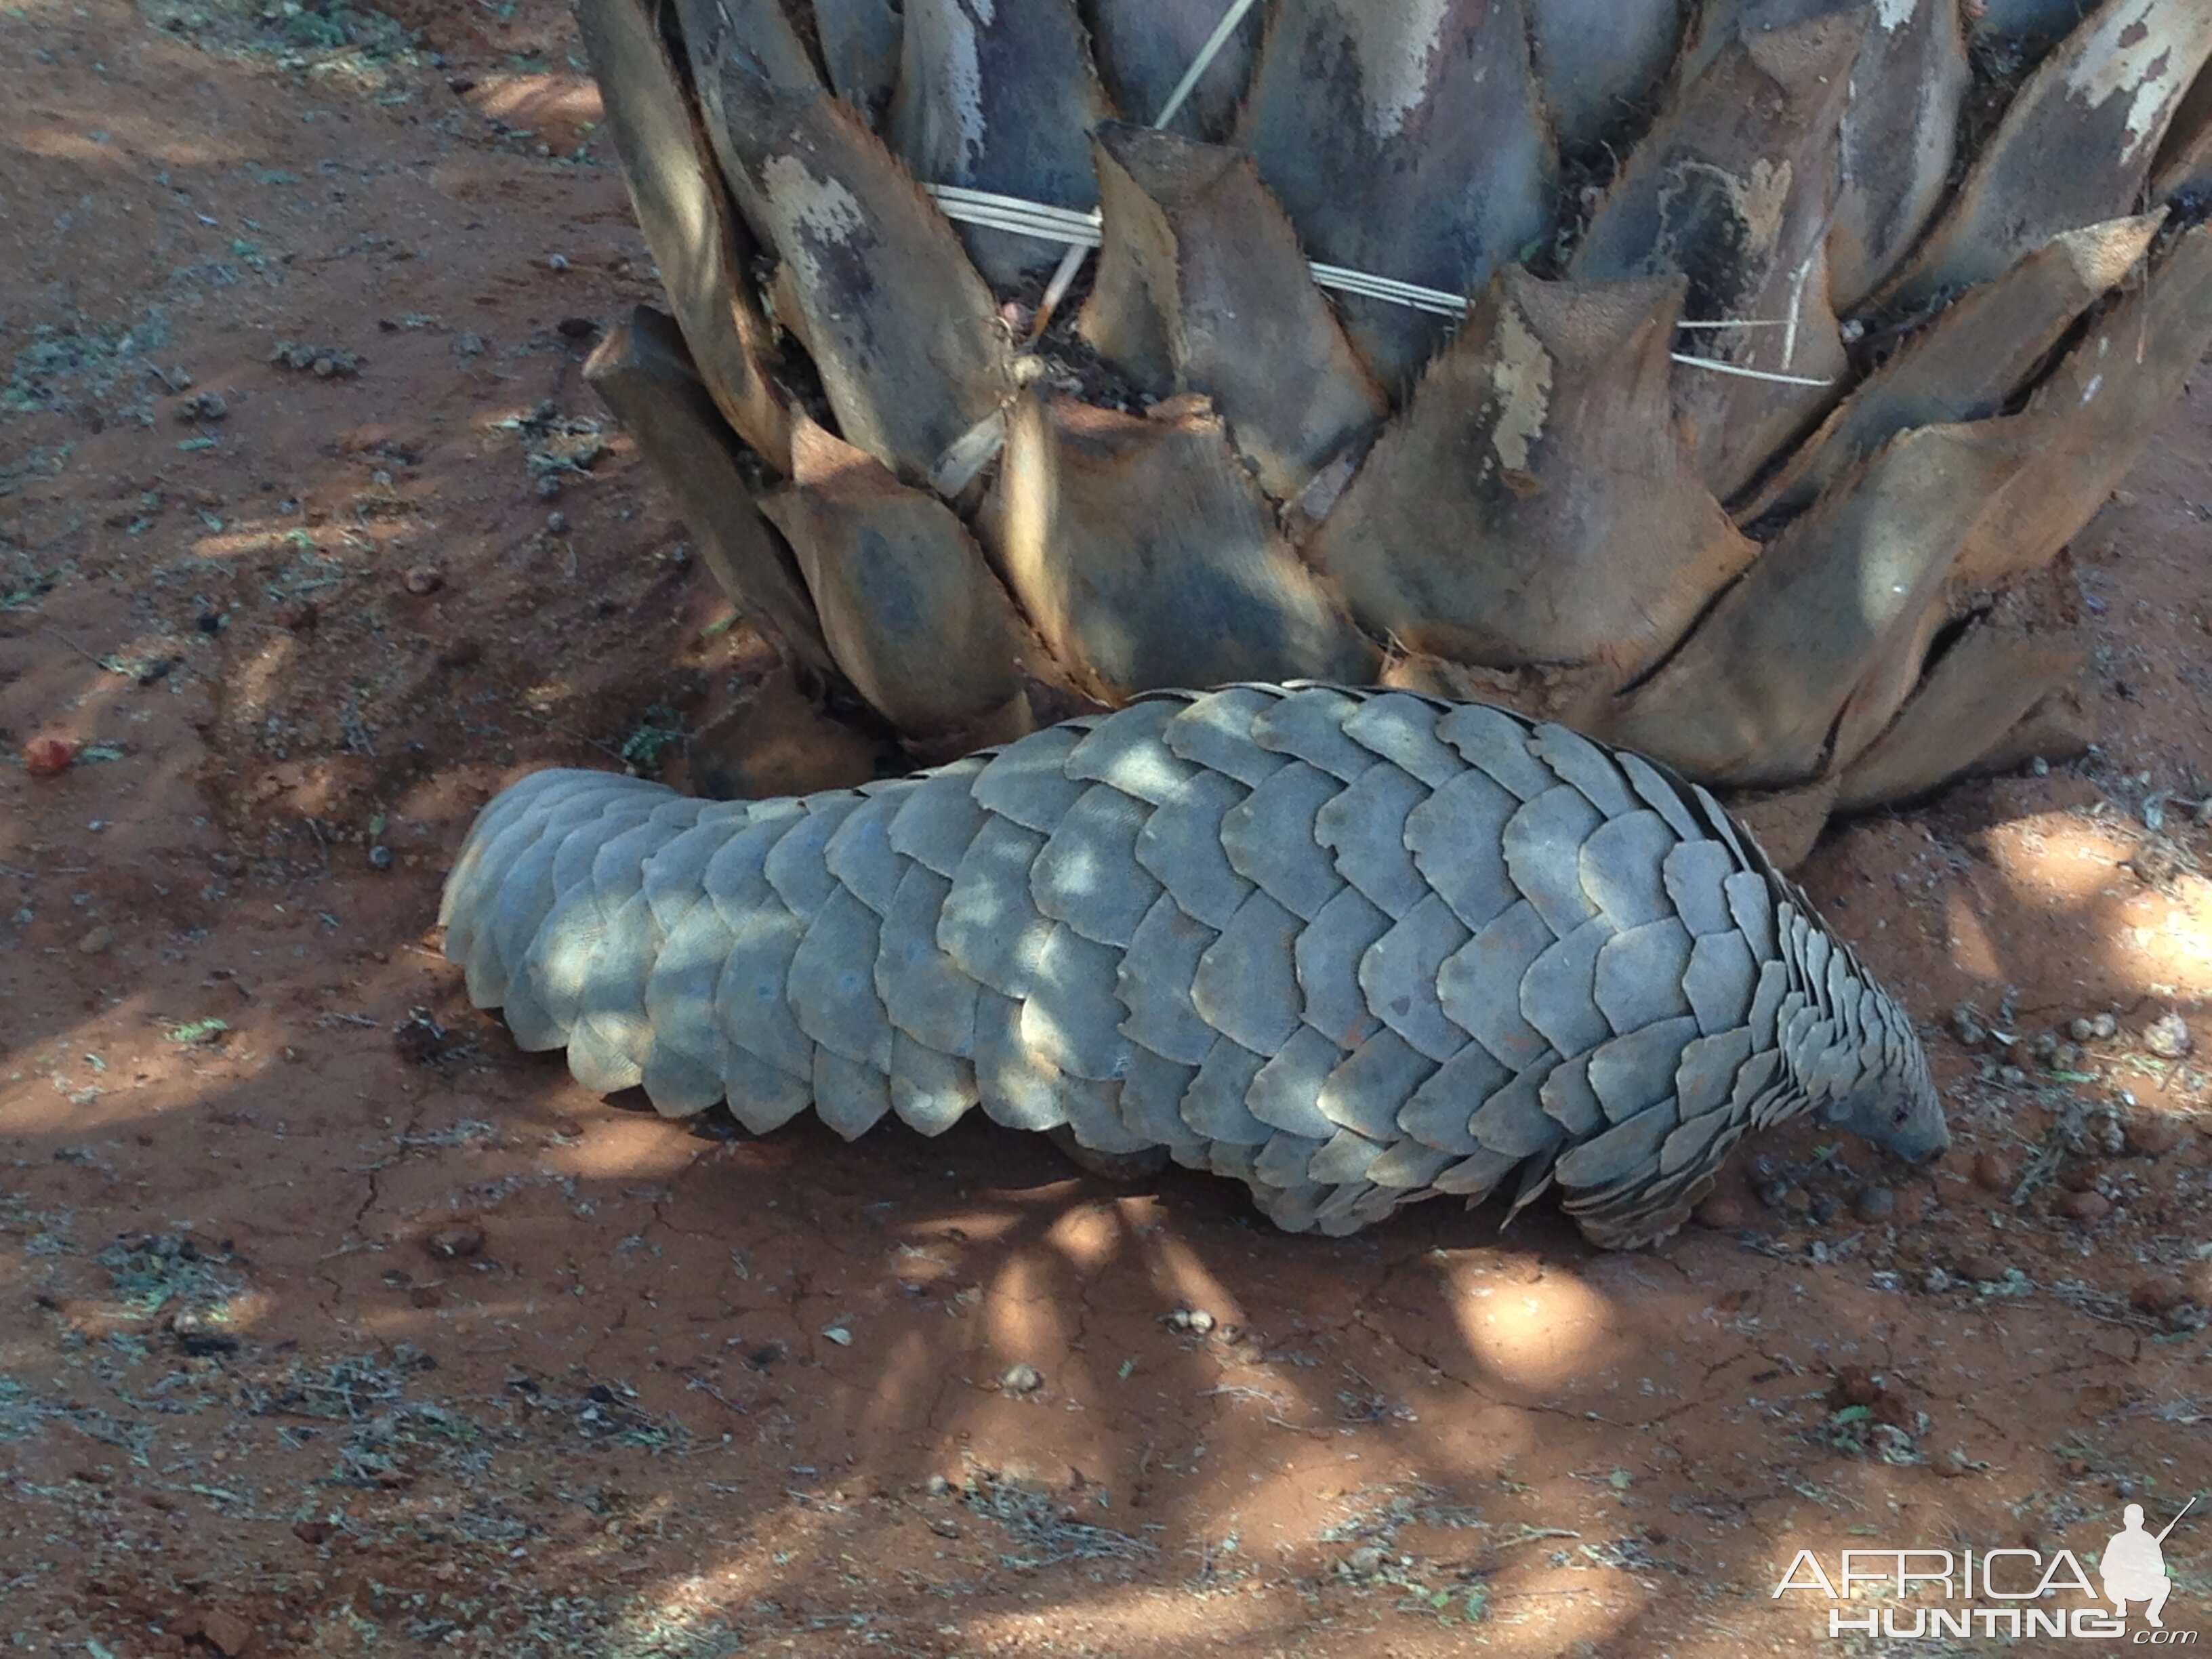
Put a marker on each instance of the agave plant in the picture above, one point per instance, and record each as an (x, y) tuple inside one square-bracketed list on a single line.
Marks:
[(1724, 379)]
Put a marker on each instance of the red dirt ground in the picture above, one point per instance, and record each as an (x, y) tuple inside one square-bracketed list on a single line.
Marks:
[(330, 1324)]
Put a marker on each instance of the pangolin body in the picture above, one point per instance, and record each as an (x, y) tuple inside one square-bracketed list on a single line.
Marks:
[(1354, 948)]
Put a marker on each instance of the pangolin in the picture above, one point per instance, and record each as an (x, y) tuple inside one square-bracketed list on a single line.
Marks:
[(1354, 948)]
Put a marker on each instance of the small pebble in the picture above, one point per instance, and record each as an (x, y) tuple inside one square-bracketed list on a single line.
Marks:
[(1874, 1204), (1935, 1281), (2046, 1046), (937, 1485), (2068, 1057), (1968, 1028), (1201, 1321), (1366, 1559), (2160, 1293), (1723, 1213), (2085, 1207), (2081, 1031), (456, 1243), (2167, 1036), (1796, 1201), (1983, 1268), (96, 942), (1993, 1172), (2011, 1076), (2104, 1025), (2153, 1137), (549, 487), (557, 522), (379, 857), (1022, 1379), (557, 262), (424, 580), (48, 757)]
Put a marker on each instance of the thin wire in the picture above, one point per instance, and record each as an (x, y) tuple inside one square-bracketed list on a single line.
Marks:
[(1063, 277), (980, 207)]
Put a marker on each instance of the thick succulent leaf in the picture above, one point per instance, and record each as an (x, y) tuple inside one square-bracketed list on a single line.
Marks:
[(2075, 145), (755, 38), (1141, 553), (1202, 287), (1537, 503), (860, 41), (1753, 694), (1732, 188), (999, 96), (1407, 141), (1968, 361), (910, 610), (1900, 129), (905, 335), (2182, 171), (1899, 136), (1601, 61), (1145, 46), (2096, 413), (1976, 692), (676, 190), (642, 372)]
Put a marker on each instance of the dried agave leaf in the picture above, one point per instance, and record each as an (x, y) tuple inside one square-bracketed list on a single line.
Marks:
[(2058, 728), (903, 331), (2095, 414), (1140, 552), (756, 37), (860, 41), (2184, 169), (999, 97), (1787, 822), (1407, 141), (1753, 694), (1599, 60), (1145, 46), (910, 611), (1900, 129), (1964, 364), (677, 193), (1537, 502), (643, 373), (1731, 188), (1973, 695), (1202, 287), (2074, 147)]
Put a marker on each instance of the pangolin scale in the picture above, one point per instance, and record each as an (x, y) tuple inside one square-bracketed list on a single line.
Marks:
[(1354, 948)]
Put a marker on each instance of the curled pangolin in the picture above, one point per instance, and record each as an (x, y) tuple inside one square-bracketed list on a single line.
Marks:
[(1353, 948)]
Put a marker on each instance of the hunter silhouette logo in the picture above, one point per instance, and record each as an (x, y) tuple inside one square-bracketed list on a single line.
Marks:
[(1928, 1594), (2134, 1565)]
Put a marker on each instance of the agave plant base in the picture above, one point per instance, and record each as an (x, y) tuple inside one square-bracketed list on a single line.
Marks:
[(1726, 385)]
